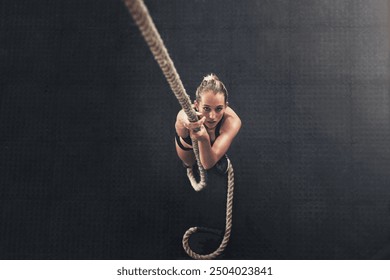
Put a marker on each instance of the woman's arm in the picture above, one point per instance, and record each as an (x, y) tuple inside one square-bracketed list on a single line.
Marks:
[(183, 149), (210, 155), (181, 119)]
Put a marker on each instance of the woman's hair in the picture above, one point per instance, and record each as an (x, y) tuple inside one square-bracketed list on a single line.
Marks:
[(211, 83)]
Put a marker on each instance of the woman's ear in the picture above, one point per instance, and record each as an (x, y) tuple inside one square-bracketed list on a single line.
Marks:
[(196, 105), (227, 104)]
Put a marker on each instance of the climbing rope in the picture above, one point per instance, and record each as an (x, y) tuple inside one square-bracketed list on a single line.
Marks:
[(142, 18), (145, 23), (228, 223)]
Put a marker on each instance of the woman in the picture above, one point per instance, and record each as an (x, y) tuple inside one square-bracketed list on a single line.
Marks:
[(215, 130)]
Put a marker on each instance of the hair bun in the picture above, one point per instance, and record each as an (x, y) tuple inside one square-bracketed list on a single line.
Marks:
[(211, 77)]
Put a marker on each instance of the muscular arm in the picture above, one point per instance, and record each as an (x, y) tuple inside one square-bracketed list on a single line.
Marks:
[(210, 155), (181, 130), (181, 126)]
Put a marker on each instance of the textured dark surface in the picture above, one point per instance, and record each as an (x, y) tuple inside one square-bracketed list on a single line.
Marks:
[(88, 168)]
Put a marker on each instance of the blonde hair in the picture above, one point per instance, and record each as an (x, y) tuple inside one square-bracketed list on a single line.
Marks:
[(211, 83)]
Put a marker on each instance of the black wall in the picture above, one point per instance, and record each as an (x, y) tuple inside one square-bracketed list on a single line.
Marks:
[(88, 168)]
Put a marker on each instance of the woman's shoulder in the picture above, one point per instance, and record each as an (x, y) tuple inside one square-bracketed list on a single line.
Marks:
[(230, 114), (231, 119)]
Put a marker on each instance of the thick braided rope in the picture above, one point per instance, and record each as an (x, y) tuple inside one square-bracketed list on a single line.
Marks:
[(141, 16), (145, 23), (228, 223)]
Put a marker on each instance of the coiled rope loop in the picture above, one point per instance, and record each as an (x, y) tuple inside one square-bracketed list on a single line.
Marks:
[(152, 37), (228, 223)]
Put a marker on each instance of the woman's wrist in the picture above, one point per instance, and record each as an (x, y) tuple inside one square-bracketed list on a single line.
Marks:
[(204, 137)]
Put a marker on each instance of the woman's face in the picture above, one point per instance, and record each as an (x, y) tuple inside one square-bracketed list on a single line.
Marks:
[(212, 106)]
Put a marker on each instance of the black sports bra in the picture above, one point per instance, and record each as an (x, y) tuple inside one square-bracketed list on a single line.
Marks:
[(217, 129)]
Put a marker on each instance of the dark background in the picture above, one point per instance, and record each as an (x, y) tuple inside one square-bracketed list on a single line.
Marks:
[(88, 168)]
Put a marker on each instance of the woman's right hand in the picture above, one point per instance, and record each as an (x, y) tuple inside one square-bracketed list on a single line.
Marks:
[(195, 126), (186, 123)]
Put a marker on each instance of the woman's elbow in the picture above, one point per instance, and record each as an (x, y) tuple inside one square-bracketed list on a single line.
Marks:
[(208, 166)]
